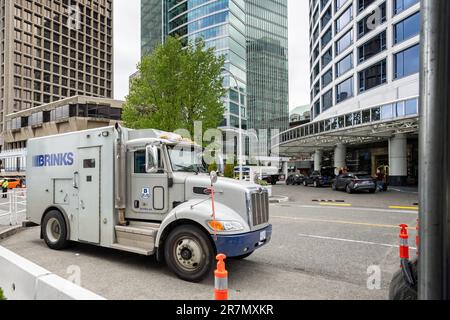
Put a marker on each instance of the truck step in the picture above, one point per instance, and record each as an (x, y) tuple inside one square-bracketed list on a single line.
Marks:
[(138, 236), (139, 251)]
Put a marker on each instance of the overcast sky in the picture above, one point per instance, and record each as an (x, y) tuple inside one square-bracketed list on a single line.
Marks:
[(127, 48)]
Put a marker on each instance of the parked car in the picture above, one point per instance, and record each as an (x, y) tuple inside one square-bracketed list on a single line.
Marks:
[(355, 182), (318, 180), (295, 179)]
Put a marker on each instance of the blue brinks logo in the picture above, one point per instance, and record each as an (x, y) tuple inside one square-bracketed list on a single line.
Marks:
[(54, 160)]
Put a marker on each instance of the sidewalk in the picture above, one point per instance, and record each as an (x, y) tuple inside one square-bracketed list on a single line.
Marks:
[(7, 231), (412, 190)]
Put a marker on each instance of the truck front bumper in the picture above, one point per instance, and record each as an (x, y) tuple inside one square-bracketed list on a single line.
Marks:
[(241, 244)]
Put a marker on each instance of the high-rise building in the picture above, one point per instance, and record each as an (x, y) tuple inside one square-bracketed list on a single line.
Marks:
[(151, 25), (365, 61), (267, 65), (52, 50), (251, 35)]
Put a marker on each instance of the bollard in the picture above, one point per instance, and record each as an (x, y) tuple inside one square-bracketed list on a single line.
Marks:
[(404, 246), (221, 279)]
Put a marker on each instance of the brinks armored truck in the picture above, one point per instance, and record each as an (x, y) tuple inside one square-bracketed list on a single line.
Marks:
[(145, 192)]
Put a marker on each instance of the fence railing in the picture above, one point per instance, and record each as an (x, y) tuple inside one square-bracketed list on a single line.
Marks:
[(13, 207)]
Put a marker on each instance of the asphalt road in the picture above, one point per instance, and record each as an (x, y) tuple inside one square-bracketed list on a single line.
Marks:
[(318, 251)]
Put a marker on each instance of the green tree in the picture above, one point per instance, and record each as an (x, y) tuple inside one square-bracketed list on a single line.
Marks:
[(212, 167), (175, 87), (2, 297), (229, 171)]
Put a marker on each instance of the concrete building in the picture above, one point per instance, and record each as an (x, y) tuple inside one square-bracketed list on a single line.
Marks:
[(63, 116), (364, 88), (52, 50), (251, 35)]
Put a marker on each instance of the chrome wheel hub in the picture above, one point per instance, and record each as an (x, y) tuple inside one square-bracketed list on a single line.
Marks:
[(188, 254)]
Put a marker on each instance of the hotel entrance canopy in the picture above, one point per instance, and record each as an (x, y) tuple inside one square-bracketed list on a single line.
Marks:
[(363, 126)]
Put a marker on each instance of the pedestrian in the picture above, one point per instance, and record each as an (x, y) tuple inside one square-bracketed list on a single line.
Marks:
[(5, 185), (380, 181)]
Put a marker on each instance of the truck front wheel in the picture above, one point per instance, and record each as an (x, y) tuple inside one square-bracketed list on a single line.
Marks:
[(54, 230), (189, 253)]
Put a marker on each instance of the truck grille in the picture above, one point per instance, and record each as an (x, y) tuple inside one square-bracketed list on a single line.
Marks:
[(260, 208)]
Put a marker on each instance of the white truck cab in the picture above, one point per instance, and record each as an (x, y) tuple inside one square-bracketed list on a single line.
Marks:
[(142, 191)]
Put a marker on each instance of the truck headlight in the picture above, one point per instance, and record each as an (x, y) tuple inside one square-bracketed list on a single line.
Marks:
[(225, 226)]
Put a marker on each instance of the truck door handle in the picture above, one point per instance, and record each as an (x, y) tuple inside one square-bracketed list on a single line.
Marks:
[(75, 182)]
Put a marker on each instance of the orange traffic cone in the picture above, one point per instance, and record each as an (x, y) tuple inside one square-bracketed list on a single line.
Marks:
[(221, 279), (404, 247)]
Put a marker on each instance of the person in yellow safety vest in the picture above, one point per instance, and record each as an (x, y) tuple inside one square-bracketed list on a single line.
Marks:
[(5, 185)]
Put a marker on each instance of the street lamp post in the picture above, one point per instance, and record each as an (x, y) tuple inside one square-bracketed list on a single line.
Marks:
[(240, 122)]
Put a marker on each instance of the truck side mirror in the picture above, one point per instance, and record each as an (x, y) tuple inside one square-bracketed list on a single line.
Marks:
[(152, 159), (214, 177)]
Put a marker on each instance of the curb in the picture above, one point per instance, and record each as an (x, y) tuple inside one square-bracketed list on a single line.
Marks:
[(278, 199), (9, 232)]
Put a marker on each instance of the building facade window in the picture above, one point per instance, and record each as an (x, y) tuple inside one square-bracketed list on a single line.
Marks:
[(407, 62), (327, 78), (344, 65), (326, 38), (344, 19), (372, 47), (365, 26), (339, 4), (407, 28), (402, 5), (344, 42), (363, 4), (327, 100), (344, 90), (327, 57), (372, 77), (326, 18)]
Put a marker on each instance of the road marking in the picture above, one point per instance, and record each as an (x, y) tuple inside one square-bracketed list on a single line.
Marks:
[(286, 205), (341, 222), (335, 204), (351, 241), (404, 208)]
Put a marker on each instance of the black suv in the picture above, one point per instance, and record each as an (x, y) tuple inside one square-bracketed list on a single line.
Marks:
[(353, 182), (318, 180)]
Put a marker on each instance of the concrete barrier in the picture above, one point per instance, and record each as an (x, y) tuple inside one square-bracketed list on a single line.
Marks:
[(21, 279)]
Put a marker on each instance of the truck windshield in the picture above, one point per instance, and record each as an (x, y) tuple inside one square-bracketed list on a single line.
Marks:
[(187, 159)]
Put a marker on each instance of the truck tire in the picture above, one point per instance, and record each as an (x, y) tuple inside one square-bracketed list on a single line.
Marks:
[(305, 183), (54, 230), (189, 253)]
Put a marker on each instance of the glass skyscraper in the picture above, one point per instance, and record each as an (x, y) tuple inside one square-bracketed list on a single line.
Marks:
[(267, 65), (151, 25), (250, 34)]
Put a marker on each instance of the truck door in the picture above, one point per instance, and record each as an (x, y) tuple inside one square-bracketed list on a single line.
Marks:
[(149, 191), (89, 195)]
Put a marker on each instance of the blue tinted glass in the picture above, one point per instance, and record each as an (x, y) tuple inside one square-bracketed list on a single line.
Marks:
[(407, 28), (411, 107), (401, 5), (386, 112), (344, 90), (327, 100), (344, 19), (407, 62), (344, 65), (344, 42)]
